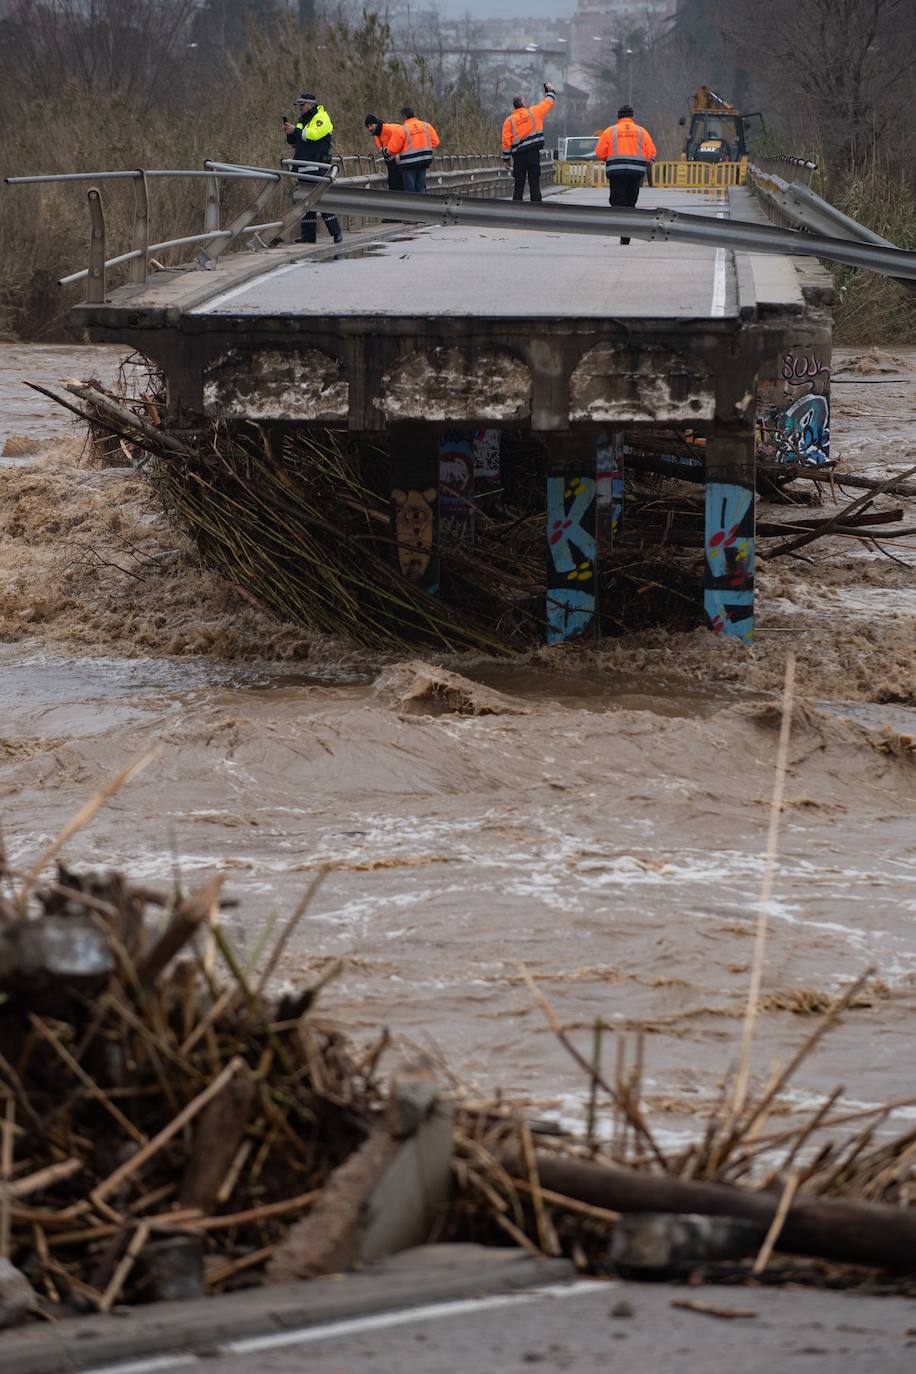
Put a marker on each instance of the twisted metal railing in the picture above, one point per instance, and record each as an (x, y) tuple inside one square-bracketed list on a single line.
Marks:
[(782, 184), (451, 171)]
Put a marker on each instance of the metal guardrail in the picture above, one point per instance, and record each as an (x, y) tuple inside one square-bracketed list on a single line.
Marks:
[(362, 201), (478, 170), (669, 174), (652, 225), (795, 169), (789, 200)]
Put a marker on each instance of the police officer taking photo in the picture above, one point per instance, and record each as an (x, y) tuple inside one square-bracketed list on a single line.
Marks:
[(310, 139)]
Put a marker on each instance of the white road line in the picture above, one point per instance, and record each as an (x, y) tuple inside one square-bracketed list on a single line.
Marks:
[(719, 280), (381, 1320), (217, 301), (355, 1325), (147, 1366)]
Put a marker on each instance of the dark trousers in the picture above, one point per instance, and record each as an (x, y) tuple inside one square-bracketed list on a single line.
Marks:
[(395, 177), (526, 166), (308, 231), (624, 189), (414, 174)]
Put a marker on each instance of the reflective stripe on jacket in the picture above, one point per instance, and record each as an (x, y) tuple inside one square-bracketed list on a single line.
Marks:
[(413, 142), (626, 147), (524, 128)]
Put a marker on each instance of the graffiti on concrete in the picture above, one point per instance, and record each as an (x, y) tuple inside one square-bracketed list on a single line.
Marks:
[(610, 473), (414, 522), (571, 557), (796, 421), (729, 546), (487, 450), (456, 487)]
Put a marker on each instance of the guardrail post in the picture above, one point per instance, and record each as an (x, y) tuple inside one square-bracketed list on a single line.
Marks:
[(95, 282), (216, 247), (139, 267), (211, 213)]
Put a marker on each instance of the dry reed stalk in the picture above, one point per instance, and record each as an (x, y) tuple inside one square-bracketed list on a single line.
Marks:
[(619, 1066), (631, 1112), (517, 1234), (492, 1166), (43, 1178), (547, 1237), (125, 1265), (290, 928), (268, 1209), (773, 1234), (829, 1018), (7, 1127), (571, 1204), (88, 1083), (736, 1105), (249, 1261), (476, 1180), (817, 1121), (84, 816), (130, 1166)]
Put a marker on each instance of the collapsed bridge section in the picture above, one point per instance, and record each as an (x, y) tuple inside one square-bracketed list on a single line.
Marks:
[(448, 343)]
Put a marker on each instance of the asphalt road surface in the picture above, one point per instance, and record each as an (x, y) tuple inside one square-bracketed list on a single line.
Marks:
[(504, 273), (586, 1326)]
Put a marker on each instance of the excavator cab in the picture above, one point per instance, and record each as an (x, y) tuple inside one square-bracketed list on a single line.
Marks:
[(718, 131)]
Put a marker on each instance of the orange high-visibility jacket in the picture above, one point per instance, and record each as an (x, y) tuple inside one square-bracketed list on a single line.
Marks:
[(383, 140), (626, 147), (524, 128), (413, 142)]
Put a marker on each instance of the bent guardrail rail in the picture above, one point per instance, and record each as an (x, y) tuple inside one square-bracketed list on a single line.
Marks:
[(480, 170), (651, 225), (789, 200)]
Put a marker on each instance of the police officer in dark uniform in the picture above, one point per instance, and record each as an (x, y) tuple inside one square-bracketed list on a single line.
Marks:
[(310, 139)]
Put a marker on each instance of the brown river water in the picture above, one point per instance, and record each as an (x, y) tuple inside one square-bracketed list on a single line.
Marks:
[(600, 815)]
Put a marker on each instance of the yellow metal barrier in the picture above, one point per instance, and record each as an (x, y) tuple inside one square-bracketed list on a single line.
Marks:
[(701, 177)]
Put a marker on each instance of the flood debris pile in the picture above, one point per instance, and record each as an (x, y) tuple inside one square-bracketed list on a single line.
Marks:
[(827, 1200), (370, 540), (164, 1118), (170, 1129)]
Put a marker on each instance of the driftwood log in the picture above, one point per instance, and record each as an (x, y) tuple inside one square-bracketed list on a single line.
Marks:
[(847, 1232)]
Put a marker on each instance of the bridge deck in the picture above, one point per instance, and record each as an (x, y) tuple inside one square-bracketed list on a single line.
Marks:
[(506, 274)]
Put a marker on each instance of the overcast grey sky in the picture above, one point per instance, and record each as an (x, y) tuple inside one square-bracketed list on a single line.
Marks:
[(506, 9)]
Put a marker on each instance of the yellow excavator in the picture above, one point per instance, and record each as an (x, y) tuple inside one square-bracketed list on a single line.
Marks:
[(718, 131)]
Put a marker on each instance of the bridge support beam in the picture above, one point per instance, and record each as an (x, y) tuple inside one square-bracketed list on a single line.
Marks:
[(728, 589)]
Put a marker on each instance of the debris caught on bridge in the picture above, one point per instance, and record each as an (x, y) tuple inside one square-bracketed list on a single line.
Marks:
[(172, 1126), (345, 537)]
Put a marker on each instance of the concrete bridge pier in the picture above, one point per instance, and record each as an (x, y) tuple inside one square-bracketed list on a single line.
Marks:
[(441, 476)]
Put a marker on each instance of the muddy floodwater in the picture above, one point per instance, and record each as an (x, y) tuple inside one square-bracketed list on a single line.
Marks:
[(600, 815)]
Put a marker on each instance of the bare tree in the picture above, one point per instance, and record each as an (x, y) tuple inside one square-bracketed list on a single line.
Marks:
[(838, 71), (111, 47)]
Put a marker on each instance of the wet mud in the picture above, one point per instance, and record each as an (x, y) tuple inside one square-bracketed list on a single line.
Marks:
[(600, 815)]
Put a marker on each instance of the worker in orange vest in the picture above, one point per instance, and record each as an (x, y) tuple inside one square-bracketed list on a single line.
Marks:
[(412, 143), (523, 139), (383, 134), (628, 150)]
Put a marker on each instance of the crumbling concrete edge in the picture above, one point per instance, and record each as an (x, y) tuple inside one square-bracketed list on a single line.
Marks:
[(182, 1327)]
